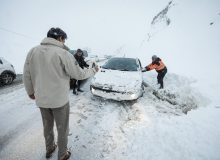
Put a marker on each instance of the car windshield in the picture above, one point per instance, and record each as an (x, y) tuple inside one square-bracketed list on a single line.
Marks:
[(122, 64)]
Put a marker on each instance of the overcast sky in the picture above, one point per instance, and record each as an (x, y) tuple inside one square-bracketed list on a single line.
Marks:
[(99, 24), (189, 45), (104, 26)]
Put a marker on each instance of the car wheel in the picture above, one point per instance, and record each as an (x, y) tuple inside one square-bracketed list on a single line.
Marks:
[(7, 78)]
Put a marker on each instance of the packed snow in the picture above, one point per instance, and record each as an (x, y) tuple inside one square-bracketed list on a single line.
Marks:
[(149, 128)]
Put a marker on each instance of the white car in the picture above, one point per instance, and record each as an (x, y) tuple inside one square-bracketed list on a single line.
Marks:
[(119, 79), (7, 72), (94, 58)]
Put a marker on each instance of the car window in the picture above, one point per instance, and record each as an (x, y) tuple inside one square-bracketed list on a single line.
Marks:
[(122, 64)]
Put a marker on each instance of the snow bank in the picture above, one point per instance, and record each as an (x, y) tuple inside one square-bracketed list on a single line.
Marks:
[(104, 129), (179, 92)]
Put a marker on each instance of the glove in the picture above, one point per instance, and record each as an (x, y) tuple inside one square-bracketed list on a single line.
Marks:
[(93, 65)]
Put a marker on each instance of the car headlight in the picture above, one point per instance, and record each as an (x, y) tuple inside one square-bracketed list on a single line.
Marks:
[(133, 95), (92, 89)]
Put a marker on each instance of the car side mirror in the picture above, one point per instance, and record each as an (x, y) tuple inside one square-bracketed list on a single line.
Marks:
[(143, 70)]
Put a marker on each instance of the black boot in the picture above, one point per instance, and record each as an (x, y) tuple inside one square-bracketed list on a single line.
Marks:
[(161, 85), (74, 91), (80, 90), (78, 86)]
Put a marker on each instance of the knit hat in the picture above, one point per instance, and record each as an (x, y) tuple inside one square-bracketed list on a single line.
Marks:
[(154, 57)]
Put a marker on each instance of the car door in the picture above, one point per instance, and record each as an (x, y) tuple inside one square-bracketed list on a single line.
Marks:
[(139, 64)]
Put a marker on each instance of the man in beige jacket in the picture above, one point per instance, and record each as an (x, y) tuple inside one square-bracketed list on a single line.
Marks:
[(47, 72)]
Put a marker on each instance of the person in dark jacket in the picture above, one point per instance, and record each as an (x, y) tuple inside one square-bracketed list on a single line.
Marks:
[(160, 67), (81, 61)]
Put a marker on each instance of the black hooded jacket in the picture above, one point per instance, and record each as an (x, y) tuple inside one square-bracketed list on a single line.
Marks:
[(81, 61)]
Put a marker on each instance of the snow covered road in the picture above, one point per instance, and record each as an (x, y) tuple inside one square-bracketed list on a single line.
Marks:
[(100, 129)]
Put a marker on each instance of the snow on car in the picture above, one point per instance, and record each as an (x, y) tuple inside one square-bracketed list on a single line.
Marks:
[(119, 79), (7, 72)]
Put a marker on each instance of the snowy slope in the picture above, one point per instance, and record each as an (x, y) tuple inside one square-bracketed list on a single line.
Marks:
[(188, 44)]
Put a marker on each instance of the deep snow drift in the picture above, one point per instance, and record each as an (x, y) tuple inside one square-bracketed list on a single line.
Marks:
[(149, 128)]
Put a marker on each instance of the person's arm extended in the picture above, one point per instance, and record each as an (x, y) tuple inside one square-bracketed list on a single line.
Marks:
[(73, 69), (150, 67)]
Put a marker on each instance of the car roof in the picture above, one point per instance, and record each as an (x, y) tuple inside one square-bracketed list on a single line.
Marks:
[(123, 58)]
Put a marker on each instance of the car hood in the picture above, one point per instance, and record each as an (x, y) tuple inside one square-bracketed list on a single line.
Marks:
[(118, 80)]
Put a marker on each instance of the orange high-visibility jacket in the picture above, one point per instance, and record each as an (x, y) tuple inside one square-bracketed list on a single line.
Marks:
[(157, 65)]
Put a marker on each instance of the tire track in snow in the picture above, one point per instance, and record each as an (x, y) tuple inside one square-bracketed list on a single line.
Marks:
[(98, 125), (11, 135)]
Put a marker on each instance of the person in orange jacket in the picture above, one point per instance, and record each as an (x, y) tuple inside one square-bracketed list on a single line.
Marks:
[(160, 67)]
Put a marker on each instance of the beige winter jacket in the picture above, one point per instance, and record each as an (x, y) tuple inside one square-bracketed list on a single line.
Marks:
[(47, 72)]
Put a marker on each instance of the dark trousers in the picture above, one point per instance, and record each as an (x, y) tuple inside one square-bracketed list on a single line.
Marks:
[(160, 76), (76, 84)]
